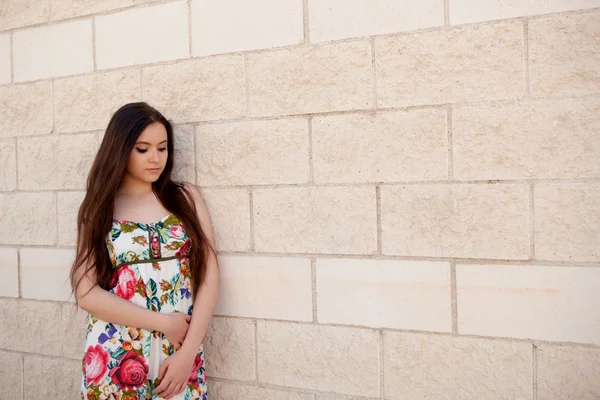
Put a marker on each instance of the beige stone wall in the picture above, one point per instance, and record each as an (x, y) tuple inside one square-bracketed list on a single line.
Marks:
[(406, 194)]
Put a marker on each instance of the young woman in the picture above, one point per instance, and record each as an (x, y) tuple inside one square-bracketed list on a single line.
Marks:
[(145, 259)]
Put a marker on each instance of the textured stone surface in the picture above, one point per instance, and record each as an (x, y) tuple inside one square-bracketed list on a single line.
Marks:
[(307, 80), (60, 9), (8, 165), (199, 90), (381, 147), (51, 378), (431, 367), (45, 273), (393, 294), (563, 54), (73, 327), (11, 375), (567, 221), (87, 102), (235, 391), (30, 326), (184, 166), (5, 59), (527, 140), (230, 25), (29, 217), (265, 287), (229, 211), (529, 302), (18, 13), (292, 220), (253, 153), (142, 35), (9, 271), (568, 373), (53, 51), (339, 19), (445, 66), (26, 109), (230, 349), (458, 220), (319, 358), (465, 11), (57, 162), (68, 207)]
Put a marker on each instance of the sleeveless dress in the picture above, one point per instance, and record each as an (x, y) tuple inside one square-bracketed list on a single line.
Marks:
[(151, 269)]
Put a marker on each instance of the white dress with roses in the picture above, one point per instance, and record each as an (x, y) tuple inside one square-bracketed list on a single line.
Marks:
[(151, 263)]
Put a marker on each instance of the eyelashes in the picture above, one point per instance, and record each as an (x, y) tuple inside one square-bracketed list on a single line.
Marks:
[(145, 150)]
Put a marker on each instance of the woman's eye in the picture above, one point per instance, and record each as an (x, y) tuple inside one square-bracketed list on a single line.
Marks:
[(142, 150), (163, 149)]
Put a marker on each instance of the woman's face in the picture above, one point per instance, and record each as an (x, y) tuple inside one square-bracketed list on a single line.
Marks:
[(149, 155)]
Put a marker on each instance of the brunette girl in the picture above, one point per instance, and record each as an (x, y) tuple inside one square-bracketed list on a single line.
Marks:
[(145, 269)]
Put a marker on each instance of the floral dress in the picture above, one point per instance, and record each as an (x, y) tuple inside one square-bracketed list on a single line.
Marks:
[(151, 263)]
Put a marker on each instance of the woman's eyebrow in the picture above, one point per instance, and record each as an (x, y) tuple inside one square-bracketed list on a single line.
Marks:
[(150, 144)]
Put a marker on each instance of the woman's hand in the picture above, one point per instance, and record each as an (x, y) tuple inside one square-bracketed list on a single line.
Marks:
[(174, 374), (176, 328)]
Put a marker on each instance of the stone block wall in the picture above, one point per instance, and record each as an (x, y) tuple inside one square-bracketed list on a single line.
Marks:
[(406, 194)]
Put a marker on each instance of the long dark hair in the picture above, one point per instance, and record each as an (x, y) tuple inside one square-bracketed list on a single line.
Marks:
[(94, 219)]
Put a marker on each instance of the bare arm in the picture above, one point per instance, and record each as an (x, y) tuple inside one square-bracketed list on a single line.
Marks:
[(109, 307), (206, 298)]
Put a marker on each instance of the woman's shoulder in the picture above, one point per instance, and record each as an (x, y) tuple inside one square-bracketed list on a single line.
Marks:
[(194, 191)]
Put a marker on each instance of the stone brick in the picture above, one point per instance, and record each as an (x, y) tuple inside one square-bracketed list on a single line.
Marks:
[(29, 217), (567, 221), (419, 366), (142, 35), (411, 295), (61, 9), (563, 54), (87, 102), (307, 80), (527, 140), (73, 326), (26, 109), (184, 163), (229, 211), (8, 165), (230, 25), (5, 59), (381, 147), (57, 162), (234, 391), (68, 207), (53, 51), (467, 11), (199, 90), (30, 326), (265, 287), (317, 357), (11, 375), (456, 220), (9, 271), (253, 153), (230, 348), (568, 373), (19, 13), (529, 302), (45, 273), (51, 378), (467, 63), (340, 19), (291, 220)]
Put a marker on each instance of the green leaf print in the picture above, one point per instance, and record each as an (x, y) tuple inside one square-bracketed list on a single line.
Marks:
[(128, 227), (171, 221), (151, 288)]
